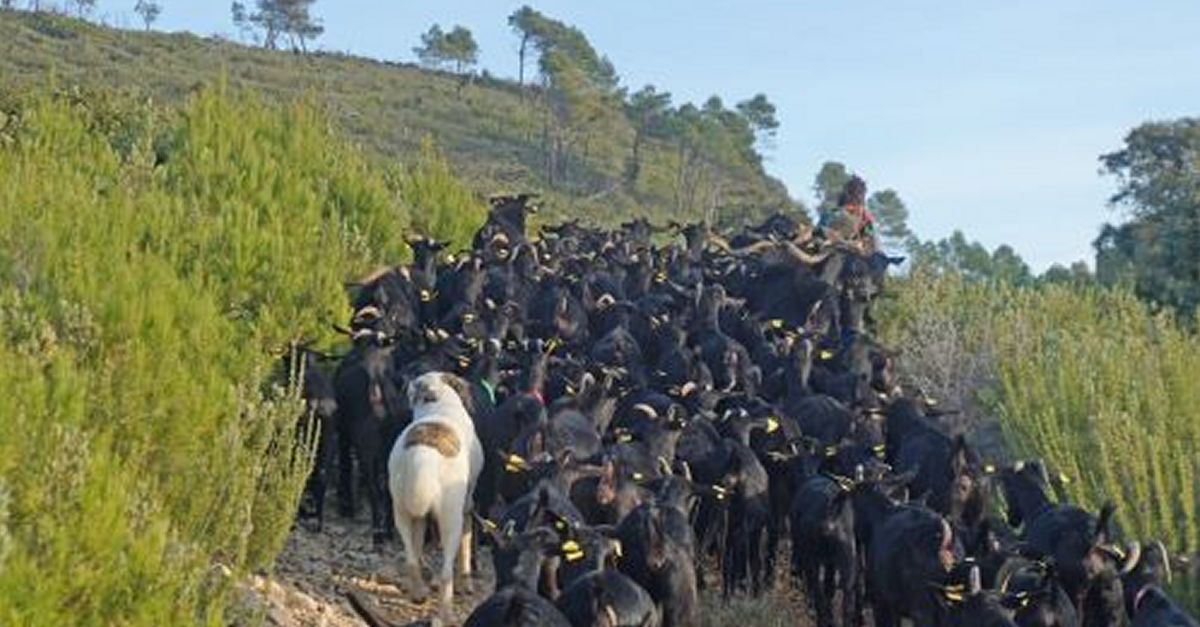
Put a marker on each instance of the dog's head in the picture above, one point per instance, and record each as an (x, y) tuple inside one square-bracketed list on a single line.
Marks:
[(435, 387)]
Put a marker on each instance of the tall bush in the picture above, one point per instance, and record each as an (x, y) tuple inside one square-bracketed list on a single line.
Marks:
[(151, 262), (1093, 380)]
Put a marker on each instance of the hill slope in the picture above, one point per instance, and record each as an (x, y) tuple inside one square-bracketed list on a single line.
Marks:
[(493, 131)]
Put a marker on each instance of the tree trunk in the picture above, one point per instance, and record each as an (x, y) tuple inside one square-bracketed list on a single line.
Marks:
[(635, 160), (521, 59)]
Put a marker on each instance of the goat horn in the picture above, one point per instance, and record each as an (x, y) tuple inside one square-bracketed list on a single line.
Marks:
[(1132, 557), (646, 409), (798, 254), (721, 243), (1166, 559)]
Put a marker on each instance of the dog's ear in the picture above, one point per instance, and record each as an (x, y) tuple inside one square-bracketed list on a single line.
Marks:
[(458, 384)]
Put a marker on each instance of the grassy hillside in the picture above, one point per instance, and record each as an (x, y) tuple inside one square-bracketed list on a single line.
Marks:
[(491, 130)]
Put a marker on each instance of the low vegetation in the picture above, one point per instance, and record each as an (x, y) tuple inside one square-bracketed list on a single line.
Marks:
[(1092, 380), (152, 263)]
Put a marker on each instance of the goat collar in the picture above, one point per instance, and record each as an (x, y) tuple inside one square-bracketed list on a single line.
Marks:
[(489, 388)]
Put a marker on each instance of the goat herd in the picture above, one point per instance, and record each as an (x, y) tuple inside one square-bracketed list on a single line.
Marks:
[(617, 419)]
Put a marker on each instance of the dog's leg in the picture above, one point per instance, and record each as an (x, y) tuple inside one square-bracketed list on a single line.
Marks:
[(412, 536), (465, 551), (450, 527)]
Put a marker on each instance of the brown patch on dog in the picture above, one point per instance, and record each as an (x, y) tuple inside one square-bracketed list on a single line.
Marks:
[(434, 435)]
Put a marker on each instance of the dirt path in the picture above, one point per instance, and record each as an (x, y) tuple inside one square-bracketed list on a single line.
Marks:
[(317, 569)]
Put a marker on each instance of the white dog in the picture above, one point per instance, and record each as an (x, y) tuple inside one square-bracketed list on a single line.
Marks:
[(432, 471)]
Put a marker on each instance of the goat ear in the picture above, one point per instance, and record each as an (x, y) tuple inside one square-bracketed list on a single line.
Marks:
[(490, 530), (960, 460), (1104, 520)]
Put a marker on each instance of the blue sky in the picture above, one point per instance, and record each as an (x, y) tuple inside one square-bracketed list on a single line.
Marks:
[(986, 116)]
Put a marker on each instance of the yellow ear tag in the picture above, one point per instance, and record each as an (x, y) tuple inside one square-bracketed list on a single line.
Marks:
[(1063, 478), (426, 296), (932, 402), (514, 463), (637, 476), (989, 469), (772, 425), (776, 323), (624, 436), (830, 451), (720, 492), (468, 318), (953, 596), (661, 277), (572, 551), (617, 549), (879, 449), (488, 524), (826, 355)]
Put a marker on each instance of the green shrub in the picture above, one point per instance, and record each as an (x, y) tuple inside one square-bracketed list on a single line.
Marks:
[(1091, 380), (151, 262)]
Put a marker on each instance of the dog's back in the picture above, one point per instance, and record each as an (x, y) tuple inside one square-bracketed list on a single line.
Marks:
[(431, 473), (435, 453)]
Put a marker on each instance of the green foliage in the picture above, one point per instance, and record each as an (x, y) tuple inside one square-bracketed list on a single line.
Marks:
[(556, 43), (1158, 250), (647, 109), (970, 260), (830, 180), (148, 10), (152, 261), (892, 214), (440, 205), (1089, 379), (439, 49), (760, 114), (277, 18)]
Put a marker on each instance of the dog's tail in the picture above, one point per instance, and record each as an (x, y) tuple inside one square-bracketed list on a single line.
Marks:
[(416, 482)]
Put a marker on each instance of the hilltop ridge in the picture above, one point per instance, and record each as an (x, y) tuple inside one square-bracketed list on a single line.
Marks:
[(493, 131)]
